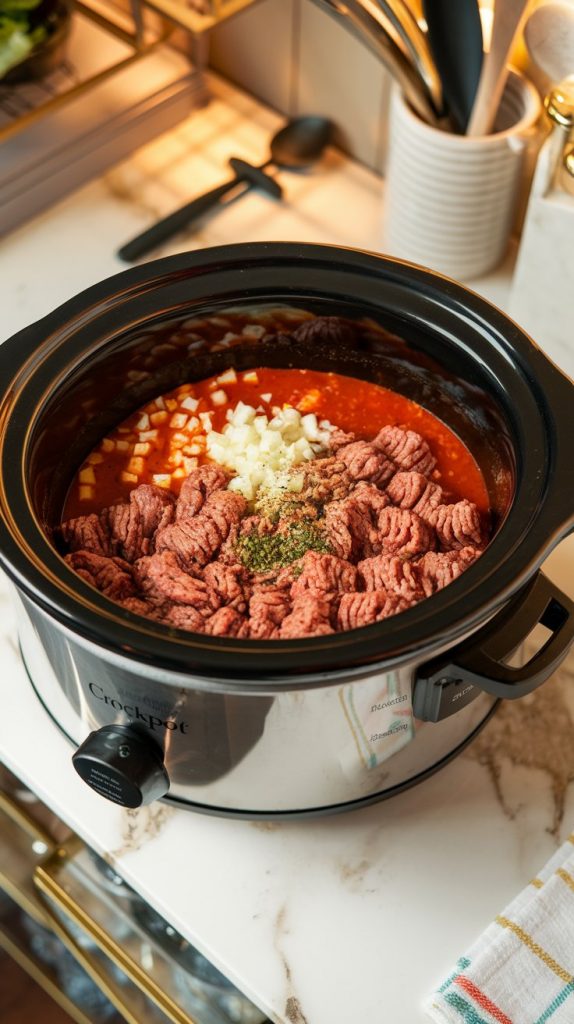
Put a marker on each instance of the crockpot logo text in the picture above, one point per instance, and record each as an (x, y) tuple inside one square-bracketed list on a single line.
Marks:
[(133, 711)]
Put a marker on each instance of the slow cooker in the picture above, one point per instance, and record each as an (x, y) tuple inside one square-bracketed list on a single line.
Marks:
[(298, 727)]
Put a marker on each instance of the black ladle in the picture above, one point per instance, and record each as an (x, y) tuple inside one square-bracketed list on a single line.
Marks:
[(455, 37), (297, 145)]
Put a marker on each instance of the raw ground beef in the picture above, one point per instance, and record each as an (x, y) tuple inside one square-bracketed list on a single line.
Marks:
[(389, 537)]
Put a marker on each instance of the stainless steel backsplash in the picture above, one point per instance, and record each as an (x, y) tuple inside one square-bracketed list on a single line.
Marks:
[(299, 59)]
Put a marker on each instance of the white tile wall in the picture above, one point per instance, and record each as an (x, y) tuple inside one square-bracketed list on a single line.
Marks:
[(299, 59)]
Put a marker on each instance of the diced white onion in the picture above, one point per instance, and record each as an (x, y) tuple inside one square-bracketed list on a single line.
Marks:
[(87, 475), (260, 451), (190, 403), (228, 377), (178, 420)]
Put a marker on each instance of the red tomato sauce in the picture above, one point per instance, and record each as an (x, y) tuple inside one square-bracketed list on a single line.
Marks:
[(147, 443)]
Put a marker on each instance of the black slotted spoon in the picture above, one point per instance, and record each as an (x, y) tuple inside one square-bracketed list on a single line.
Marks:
[(296, 146), (455, 36)]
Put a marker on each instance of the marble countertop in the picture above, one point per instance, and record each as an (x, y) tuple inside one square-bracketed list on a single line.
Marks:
[(331, 921)]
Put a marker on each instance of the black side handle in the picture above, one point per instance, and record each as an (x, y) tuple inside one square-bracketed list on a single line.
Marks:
[(454, 679)]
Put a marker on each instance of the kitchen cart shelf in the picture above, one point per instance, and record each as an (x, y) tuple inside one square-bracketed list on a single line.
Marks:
[(197, 15), (22, 103), (122, 85), (25, 933), (91, 942), (137, 29), (15, 943)]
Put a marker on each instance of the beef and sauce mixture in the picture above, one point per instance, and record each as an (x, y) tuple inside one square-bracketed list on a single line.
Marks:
[(275, 504)]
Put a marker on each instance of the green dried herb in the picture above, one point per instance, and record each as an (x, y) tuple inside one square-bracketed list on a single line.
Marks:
[(263, 552)]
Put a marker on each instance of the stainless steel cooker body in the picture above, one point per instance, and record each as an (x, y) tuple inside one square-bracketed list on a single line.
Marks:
[(282, 728), (255, 751)]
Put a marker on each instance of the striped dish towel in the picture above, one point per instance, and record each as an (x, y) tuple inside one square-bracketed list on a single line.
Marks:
[(521, 969)]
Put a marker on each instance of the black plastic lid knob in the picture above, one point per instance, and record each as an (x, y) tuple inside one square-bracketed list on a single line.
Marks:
[(122, 765)]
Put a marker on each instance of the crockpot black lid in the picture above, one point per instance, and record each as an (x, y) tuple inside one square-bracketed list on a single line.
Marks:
[(538, 395)]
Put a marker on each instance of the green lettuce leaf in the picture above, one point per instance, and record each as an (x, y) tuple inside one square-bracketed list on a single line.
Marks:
[(15, 46)]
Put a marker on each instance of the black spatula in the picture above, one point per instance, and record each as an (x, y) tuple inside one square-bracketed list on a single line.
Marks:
[(455, 36)]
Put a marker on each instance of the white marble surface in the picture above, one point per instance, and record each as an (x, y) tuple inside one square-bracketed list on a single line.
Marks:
[(341, 920)]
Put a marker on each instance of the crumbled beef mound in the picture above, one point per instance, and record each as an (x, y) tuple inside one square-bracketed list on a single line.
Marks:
[(228, 583), (409, 450), (339, 438), (268, 607), (183, 616), (198, 539), (457, 525), (381, 536), (280, 579), (350, 523), (310, 616), (436, 570), (324, 480), (161, 577), (132, 525), (391, 573), (197, 487), (86, 533), (344, 529), (326, 328), (227, 622), (112, 576), (361, 609), (255, 524), (325, 573), (369, 501), (415, 492), (365, 462), (400, 532), (141, 606)]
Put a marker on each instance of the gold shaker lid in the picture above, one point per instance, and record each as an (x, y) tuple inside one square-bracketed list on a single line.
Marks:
[(559, 104)]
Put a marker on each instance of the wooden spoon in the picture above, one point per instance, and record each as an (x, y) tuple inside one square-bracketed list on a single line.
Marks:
[(508, 16), (549, 37)]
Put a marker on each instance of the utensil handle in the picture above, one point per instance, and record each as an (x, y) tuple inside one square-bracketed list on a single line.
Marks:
[(450, 681), (367, 25), (507, 19), (170, 225)]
